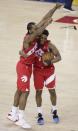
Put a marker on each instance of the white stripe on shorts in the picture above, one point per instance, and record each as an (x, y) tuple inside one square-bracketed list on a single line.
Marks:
[(50, 79)]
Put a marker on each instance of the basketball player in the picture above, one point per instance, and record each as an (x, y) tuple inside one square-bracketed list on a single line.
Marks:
[(24, 70), (45, 74)]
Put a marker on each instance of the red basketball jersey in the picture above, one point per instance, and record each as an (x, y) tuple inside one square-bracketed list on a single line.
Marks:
[(30, 53), (39, 52)]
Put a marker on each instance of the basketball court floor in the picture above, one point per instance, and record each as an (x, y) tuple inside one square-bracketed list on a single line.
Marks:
[(14, 16)]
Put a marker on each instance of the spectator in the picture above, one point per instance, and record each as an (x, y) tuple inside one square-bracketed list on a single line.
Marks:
[(68, 5)]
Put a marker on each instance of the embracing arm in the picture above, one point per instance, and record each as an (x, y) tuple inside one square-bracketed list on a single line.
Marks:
[(55, 51), (28, 40)]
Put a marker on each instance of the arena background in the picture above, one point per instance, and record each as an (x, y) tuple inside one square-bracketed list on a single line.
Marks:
[(75, 2), (14, 16)]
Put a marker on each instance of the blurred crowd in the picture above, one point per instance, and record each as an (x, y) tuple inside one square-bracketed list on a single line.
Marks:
[(67, 3)]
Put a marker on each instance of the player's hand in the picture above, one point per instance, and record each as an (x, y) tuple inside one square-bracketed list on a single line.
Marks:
[(59, 5), (45, 64), (21, 53)]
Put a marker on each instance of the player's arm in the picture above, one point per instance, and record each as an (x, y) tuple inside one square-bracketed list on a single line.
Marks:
[(28, 40), (41, 26), (49, 14), (55, 51)]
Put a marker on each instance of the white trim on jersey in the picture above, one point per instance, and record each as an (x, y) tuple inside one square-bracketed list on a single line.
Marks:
[(30, 52), (50, 79)]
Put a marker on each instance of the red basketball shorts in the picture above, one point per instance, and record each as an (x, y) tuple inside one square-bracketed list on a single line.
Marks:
[(44, 77), (23, 76)]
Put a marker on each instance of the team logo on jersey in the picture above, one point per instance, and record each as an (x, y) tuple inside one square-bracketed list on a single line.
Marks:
[(24, 78), (39, 52)]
